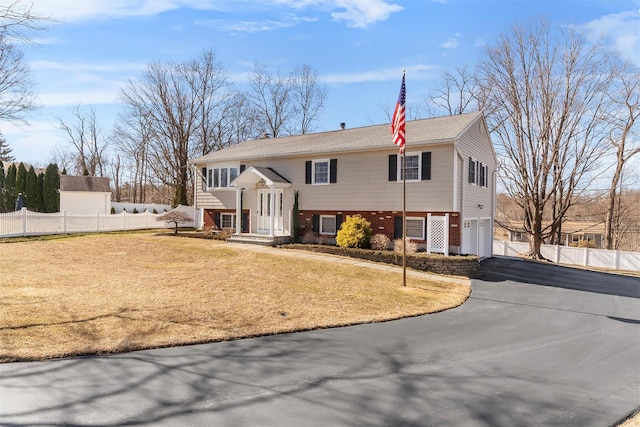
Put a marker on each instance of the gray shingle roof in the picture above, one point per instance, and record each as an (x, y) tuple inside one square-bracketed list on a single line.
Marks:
[(418, 132), (272, 175), (84, 183)]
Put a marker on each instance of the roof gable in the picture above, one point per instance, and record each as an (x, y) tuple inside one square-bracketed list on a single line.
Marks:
[(418, 132)]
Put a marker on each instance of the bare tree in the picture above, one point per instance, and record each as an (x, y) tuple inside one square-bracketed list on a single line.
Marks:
[(131, 137), (455, 93), (88, 141), (623, 139), (173, 101), (271, 99), (543, 98), (17, 24), (308, 97)]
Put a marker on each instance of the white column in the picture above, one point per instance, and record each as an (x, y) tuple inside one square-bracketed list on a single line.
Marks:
[(428, 236), (272, 218), (446, 234), (238, 210)]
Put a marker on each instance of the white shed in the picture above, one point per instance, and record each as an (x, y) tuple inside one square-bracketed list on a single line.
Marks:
[(85, 194)]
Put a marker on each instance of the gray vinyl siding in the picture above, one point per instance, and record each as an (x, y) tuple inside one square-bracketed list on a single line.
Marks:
[(476, 144), (362, 183)]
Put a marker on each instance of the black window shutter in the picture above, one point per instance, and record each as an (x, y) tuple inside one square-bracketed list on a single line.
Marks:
[(393, 167), (472, 171), (216, 219), (338, 222), (426, 165), (204, 174), (333, 171), (397, 227), (245, 222), (316, 223), (307, 172), (242, 167)]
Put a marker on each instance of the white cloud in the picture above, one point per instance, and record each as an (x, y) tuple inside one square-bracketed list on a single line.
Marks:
[(452, 42), (356, 13), (385, 74), (362, 13), (622, 30), (42, 65), (244, 26)]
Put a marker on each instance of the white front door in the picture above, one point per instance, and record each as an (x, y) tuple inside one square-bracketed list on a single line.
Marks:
[(270, 203)]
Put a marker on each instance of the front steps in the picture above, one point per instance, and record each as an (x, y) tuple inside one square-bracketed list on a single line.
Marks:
[(259, 239)]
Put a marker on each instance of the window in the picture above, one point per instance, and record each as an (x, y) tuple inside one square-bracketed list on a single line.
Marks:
[(233, 174), (418, 167), (227, 220), (415, 228), (516, 236), (321, 172), (575, 238), (413, 167), (478, 173), (472, 171), (590, 237), (328, 224), (222, 177)]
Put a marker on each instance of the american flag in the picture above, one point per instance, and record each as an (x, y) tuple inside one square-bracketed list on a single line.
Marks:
[(397, 124)]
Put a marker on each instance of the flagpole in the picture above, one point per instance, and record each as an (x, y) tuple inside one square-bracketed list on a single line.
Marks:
[(404, 209), (404, 219)]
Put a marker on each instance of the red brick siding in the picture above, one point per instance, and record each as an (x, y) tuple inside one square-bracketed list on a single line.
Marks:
[(382, 221)]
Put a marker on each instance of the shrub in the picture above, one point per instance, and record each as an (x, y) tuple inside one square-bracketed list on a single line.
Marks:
[(113, 210), (582, 243), (412, 247), (355, 232), (154, 211), (380, 242), (135, 210), (309, 238)]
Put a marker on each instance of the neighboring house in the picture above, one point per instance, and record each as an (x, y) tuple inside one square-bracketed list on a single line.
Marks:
[(574, 233), (85, 194), (250, 187)]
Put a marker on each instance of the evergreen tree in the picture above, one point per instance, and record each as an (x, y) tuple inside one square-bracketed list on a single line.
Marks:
[(2, 204), (10, 193), (31, 190), (21, 179), (5, 150), (40, 203), (50, 187)]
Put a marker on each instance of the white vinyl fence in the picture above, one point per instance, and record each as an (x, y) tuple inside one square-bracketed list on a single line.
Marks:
[(618, 260), (27, 223)]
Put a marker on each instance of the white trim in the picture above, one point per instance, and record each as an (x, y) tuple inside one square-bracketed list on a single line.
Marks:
[(332, 233), (313, 171), (399, 167), (416, 218)]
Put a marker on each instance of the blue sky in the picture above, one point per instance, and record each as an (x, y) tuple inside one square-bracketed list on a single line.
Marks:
[(358, 47)]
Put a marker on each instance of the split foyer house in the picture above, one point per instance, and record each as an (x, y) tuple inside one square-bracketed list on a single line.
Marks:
[(251, 188)]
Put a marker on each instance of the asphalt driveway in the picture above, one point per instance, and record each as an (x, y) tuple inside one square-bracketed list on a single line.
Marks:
[(535, 345)]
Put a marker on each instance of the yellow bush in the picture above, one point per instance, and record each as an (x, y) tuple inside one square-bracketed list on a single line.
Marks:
[(355, 232)]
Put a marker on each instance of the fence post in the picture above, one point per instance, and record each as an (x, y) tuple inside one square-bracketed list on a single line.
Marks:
[(557, 261), (64, 221), (446, 234), (124, 220), (429, 236), (98, 221), (616, 259), (23, 211), (586, 257)]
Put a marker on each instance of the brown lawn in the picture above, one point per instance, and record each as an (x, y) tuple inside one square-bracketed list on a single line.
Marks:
[(120, 292)]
